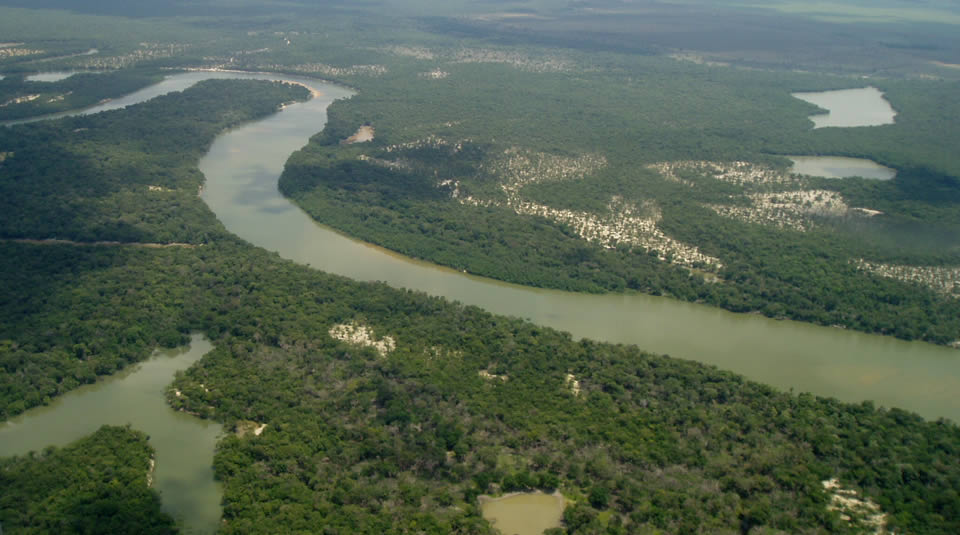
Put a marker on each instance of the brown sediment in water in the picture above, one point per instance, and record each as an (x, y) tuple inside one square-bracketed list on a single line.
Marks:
[(524, 513)]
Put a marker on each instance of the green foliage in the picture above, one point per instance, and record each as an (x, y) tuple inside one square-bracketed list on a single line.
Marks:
[(358, 442), (78, 91), (127, 176), (95, 485)]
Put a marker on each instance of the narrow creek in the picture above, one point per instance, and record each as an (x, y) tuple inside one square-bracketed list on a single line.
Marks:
[(184, 444)]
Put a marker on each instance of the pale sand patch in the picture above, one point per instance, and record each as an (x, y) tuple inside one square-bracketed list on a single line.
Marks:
[(153, 465), (787, 209), (546, 63), (491, 376), (246, 427), (362, 335), (698, 59), (328, 70), (737, 172), (396, 165), (855, 509), (572, 384), (435, 74), (625, 223), (519, 167), (363, 134), (507, 16), (946, 65), (411, 52), (20, 100), (7, 52), (942, 279), (146, 52)]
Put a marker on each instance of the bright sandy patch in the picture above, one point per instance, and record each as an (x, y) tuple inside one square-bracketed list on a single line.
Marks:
[(740, 173), (435, 74), (362, 135), (362, 335), (490, 376), (788, 209), (624, 223), (20, 100), (855, 509), (546, 63), (571, 383), (246, 427), (942, 279)]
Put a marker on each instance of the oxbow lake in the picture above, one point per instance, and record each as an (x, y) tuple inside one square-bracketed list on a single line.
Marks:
[(850, 107)]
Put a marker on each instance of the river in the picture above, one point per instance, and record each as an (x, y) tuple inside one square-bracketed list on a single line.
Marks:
[(241, 172), (242, 168)]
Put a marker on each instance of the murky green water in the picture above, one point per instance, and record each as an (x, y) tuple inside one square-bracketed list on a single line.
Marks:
[(241, 172), (850, 107), (840, 167), (184, 444), (525, 513)]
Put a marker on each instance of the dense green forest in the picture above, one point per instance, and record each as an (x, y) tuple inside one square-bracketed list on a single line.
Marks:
[(95, 485), (466, 402), (94, 185), (359, 441), (411, 189), (125, 176), (455, 402), (77, 91)]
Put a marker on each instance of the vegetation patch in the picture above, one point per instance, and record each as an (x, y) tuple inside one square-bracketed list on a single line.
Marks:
[(943, 279)]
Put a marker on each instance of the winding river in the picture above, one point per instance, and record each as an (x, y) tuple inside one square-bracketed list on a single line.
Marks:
[(242, 168), (241, 172)]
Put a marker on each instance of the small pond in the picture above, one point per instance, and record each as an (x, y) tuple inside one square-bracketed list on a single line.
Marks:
[(840, 167), (524, 513)]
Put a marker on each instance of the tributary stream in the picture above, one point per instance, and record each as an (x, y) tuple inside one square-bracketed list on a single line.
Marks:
[(242, 168)]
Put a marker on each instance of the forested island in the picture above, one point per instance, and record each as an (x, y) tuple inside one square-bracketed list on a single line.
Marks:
[(382, 410)]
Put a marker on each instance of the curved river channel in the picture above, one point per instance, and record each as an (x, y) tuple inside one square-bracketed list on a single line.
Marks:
[(242, 168)]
